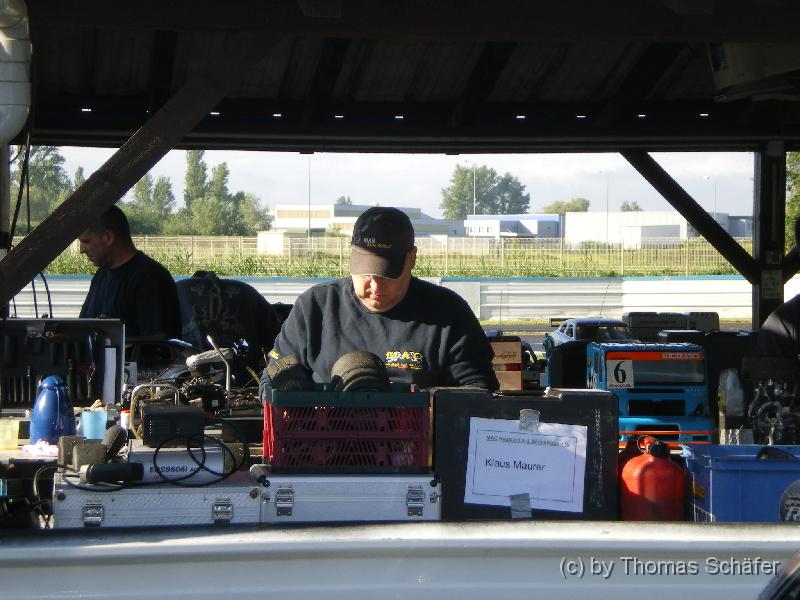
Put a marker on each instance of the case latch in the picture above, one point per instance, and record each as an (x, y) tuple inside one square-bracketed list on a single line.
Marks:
[(93, 515), (415, 501), (284, 501), (222, 511)]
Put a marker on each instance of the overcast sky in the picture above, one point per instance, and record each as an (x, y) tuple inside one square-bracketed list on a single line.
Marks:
[(417, 179)]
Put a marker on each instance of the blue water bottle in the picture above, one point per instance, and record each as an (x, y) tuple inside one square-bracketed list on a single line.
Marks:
[(52, 414)]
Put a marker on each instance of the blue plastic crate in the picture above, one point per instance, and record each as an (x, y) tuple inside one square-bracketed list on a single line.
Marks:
[(729, 484)]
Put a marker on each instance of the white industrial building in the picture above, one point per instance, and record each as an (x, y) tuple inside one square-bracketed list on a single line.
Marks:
[(340, 218), (635, 228), (522, 225)]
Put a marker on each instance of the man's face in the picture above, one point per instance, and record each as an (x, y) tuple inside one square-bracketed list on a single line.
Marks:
[(96, 247), (380, 294)]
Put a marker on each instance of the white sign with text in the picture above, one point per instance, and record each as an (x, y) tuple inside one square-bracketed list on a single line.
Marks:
[(547, 464)]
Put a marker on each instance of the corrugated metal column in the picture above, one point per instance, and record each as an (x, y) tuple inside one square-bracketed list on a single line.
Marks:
[(769, 210)]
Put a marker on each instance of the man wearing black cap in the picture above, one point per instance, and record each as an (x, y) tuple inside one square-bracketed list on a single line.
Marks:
[(426, 334)]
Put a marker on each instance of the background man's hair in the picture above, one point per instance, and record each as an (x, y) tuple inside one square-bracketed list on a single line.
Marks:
[(115, 220)]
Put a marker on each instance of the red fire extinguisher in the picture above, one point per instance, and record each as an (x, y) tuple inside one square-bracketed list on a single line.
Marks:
[(652, 487)]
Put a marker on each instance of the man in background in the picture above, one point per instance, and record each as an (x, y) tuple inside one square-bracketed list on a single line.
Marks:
[(128, 284)]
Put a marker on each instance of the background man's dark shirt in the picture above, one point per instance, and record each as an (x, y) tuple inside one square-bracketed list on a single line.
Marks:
[(779, 334), (141, 292), (430, 338)]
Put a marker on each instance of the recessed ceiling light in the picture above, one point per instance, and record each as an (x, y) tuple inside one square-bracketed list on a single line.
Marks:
[(214, 113), (642, 116), (86, 109), (580, 116), (703, 115), (399, 117), (277, 115), (338, 116), (520, 117)]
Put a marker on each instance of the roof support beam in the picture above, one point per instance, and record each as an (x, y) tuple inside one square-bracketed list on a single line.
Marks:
[(332, 57), (631, 95), (161, 67), (693, 212), (769, 210), (130, 163), (490, 65)]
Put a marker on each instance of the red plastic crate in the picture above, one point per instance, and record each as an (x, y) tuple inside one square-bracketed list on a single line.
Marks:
[(347, 438)]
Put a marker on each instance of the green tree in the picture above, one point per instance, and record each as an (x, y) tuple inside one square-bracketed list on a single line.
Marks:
[(253, 215), (151, 205), (143, 191), (50, 184), (510, 196), (195, 184), (344, 200), (218, 186), (163, 196), (630, 206), (205, 217), (559, 207), (792, 195), (482, 190), (79, 179)]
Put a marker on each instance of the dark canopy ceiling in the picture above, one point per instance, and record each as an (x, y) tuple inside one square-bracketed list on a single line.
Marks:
[(437, 75)]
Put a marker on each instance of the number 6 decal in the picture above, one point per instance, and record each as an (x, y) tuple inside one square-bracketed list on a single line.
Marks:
[(619, 373)]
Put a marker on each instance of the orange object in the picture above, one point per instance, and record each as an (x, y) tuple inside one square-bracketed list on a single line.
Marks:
[(636, 446), (652, 487)]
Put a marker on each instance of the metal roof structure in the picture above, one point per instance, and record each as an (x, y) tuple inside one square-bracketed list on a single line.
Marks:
[(444, 76), (454, 76)]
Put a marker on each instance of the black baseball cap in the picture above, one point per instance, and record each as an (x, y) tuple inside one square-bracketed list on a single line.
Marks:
[(382, 236)]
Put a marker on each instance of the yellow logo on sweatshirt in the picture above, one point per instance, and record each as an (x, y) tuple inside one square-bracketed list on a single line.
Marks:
[(405, 359)]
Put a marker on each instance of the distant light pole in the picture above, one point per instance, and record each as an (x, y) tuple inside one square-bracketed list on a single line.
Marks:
[(309, 199), (474, 193), (608, 176), (714, 181)]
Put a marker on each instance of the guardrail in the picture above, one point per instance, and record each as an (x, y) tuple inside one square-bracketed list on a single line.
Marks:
[(490, 299)]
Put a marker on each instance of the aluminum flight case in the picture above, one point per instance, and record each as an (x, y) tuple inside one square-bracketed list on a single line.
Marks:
[(349, 498), (234, 501)]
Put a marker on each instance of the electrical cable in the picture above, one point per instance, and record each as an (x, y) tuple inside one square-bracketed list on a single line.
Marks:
[(49, 297), (201, 464), (23, 173), (11, 161), (45, 515), (28, 210)]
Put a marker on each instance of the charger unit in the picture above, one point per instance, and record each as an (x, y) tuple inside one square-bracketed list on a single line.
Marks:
[(171, 425)]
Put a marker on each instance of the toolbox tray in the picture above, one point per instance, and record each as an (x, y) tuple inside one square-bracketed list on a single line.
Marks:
[(324, 431)]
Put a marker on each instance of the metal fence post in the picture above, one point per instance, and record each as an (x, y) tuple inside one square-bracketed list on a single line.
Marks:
[(687, 255), (341, 258)]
